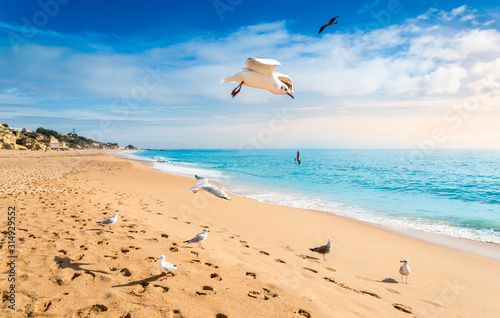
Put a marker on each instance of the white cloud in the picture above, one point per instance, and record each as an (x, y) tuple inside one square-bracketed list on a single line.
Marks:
[(359, 74)]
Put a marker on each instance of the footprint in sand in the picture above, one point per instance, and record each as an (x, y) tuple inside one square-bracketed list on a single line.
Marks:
[(174, 249), (152, 239), (216, 276), (280, 261), (340, 284), (303, 313), (265, 294), (176, 313), (403, 308), (194, 252), (365, 278), (91, 310), (264, 252), (253, 275), (162, 288), (206, 290), (164, 235), (310, 269), (393, 291), (125, 272), (431, 302)]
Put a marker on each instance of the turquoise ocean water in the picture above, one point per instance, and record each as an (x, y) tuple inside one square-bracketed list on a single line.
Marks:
[(450, 192)]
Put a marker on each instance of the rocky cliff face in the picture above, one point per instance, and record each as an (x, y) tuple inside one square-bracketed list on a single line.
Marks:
[(18, 141)]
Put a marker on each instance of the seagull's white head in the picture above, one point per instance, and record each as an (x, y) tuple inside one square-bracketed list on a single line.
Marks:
[(162, 257), (205, 230), (329, 240), (116, 214), (284, 90), (404, 261)]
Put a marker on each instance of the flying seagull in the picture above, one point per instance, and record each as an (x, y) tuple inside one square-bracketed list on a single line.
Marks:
[(199, 238), (404, 270), (324, 249), (202, 183), (111, 220), (165, 267), (328, 24), (297, 158), (259, 73)]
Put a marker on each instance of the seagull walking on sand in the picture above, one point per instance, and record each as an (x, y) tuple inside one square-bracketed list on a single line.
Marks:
[(202, 183), (259, 73), (328, 24), (404, 270), (165, 267), (199, 238), (324, 249), (297, 158), (111, 220)]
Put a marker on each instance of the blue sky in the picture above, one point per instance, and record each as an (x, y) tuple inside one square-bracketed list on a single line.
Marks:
[(390, 74)]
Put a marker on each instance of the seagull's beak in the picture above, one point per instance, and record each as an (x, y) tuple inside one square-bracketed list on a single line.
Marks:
[(291, 95)]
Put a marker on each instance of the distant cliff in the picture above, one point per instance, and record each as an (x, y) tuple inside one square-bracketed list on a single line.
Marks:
[(46, 139)]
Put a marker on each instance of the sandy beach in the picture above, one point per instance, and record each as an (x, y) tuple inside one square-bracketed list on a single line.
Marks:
[(256, 261)]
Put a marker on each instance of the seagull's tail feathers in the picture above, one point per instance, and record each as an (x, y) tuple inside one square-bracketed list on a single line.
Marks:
[(188, 241), (225, 80)]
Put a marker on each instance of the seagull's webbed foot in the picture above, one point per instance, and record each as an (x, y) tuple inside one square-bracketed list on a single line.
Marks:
[(237, 89)]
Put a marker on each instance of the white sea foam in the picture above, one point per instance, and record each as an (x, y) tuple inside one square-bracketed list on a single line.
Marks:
[(379, 218)]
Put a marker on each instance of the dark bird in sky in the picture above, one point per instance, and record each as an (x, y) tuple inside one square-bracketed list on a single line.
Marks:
[(297, 158), (328, 24)]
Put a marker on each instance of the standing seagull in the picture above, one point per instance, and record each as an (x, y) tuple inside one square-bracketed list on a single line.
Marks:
[(111, 220), (259, 73), (328, 24), (199, 238), (324, 249), (202, 183), (165, 267), (404, 270), (297, 158)]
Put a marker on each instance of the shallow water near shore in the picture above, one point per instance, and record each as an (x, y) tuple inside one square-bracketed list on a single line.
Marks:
[(450, 192)]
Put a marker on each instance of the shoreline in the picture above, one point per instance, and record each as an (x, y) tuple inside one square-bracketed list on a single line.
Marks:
[(256, 261), (487, 249)]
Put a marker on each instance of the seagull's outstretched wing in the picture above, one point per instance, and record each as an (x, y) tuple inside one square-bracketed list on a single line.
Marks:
[(260, 65), (322, 28), (333, 20), (201, 180), (286, 80), (216, 191)]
